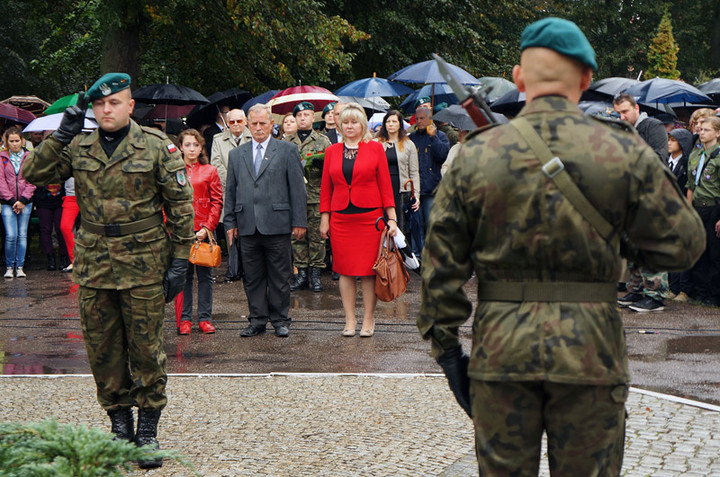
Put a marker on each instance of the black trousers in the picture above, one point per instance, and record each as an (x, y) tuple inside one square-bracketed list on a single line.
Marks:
[(706, 272), (267, 263)]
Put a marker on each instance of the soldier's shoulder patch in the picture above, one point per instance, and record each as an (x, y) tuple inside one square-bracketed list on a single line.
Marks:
[(171, 147), (481, 130), (181, 177), (614, 123)]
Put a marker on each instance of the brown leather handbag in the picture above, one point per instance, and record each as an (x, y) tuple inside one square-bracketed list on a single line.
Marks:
[(391, 276), (205, 254)]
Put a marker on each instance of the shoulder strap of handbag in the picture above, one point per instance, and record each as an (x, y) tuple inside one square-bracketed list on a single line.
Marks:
[(554, 169)]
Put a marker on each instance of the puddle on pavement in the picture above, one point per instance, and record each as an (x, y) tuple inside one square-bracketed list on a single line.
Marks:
[(694, 345)]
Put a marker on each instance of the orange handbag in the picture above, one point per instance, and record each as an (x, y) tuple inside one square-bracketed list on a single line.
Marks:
[(391, 276), (205, 254)]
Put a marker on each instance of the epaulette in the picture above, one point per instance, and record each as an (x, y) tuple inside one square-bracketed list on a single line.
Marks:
[(614, 123), (481, 130), (155, 132)]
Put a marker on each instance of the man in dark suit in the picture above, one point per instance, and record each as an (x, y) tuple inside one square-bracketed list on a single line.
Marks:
[(265, 204)]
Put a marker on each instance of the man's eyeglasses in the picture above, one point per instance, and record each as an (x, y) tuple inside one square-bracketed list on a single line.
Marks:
[(234, 121)]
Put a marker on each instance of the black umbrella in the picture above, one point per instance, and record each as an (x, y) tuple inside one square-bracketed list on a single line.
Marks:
[(206, 113), (509, 103), (711, 88), (168, 94), (413, 221), (457, 116)]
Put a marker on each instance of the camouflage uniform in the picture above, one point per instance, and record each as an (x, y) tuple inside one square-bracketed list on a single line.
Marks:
[(309, 251), (120, 277), (452, 133), (647, 283), (498, 215)]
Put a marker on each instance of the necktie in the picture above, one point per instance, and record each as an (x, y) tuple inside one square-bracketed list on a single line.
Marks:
[(258, 159), (699, 171)]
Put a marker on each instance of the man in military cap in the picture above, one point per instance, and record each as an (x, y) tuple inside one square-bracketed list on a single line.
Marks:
[(309, 250), (536, 209), (129, 262)]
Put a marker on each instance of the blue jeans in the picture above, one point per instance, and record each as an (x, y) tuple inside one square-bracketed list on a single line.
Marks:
[(16, 227)]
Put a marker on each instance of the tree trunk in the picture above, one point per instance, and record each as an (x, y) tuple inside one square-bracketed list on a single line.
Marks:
[(121, 50)]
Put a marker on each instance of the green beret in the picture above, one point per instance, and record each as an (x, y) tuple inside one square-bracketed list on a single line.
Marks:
[(562, 36), (328, 108), (439, 107), (420, 101), (108, 84), (304, 106)]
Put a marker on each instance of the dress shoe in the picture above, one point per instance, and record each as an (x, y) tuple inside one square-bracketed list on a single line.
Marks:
[(68, 269), (229, 279), (282, 331), (251, 331), (348, 332), (206, 327), (367, 333), (51, 265), (185, 327)]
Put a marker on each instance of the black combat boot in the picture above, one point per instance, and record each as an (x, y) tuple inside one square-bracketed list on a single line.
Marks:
[(301, 280), (146, 435), (123, 424), (315, 283), (51, 265)]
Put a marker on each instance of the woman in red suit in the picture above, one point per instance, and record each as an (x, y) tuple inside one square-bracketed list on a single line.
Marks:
[(355, 191), (207, 203)]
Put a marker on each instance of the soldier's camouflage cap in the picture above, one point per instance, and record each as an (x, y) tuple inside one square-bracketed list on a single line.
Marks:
[(108, 84), (562, 36), (304, 106)]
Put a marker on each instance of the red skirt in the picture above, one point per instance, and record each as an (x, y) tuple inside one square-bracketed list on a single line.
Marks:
[(355, 241)]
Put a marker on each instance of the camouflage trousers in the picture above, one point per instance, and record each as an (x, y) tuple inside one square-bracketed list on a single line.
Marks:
[(123, 331), (585, 427), (654, 285), (310, 250)]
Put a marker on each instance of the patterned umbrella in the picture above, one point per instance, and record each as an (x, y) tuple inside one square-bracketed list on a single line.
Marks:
[(15, 114), (284, 101), (30, 103)]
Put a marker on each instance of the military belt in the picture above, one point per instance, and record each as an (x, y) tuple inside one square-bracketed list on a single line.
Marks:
[(577, 292), (118, 230)]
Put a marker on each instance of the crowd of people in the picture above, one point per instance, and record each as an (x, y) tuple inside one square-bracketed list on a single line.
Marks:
[(290, 199)]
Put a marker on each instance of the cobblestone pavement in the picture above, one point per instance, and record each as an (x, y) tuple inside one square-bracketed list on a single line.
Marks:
[(350, 425)]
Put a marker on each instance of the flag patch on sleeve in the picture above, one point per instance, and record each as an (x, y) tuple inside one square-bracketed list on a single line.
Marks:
[(171, 147)]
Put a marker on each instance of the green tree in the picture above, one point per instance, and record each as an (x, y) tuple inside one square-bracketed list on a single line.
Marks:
[(662, 53)]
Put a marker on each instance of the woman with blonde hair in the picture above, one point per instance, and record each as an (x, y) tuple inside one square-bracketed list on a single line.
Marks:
[(355, 192)]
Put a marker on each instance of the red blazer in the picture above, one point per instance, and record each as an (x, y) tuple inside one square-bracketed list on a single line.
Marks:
[(370, 185), (207, 195)]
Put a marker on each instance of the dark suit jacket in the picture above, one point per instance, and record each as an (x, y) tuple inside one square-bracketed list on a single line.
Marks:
[(371, 184), (209, 134), (271, 203)]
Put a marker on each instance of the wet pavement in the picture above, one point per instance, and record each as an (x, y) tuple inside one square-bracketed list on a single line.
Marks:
[(399, 414)]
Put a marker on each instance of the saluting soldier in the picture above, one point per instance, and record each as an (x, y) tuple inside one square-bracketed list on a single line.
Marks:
[(536, 209), (128, 262), (309, 251)]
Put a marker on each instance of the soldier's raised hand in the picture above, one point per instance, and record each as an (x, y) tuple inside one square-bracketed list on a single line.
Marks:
[(73, 120)]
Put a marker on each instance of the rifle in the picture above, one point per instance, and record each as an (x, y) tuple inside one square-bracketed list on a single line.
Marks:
[(470, 99)]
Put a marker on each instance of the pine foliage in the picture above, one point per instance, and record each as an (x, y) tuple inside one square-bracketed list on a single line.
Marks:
[(662, 54)]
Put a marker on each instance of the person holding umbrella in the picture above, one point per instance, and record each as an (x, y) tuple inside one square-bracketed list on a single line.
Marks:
[(129, 260), (309, 250)]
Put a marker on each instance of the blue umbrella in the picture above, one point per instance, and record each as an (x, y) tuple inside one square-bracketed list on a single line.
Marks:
[(443, 94), (661, 90), (261, 99), (369, 87), (427, 72)]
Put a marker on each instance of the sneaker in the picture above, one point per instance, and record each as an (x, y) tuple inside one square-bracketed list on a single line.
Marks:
[(19, 273), (629, 299), (648, 304), (682, 296), (9, 272)]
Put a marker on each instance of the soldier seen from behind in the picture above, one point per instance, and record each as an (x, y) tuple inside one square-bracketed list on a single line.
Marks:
[(128, 261), (541, 231)]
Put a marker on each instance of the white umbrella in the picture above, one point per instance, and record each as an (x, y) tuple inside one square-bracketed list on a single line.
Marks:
[(377, 119), (52, 122)]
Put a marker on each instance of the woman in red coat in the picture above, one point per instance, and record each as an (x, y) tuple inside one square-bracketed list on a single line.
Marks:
[(207, 203), (355, 191)]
